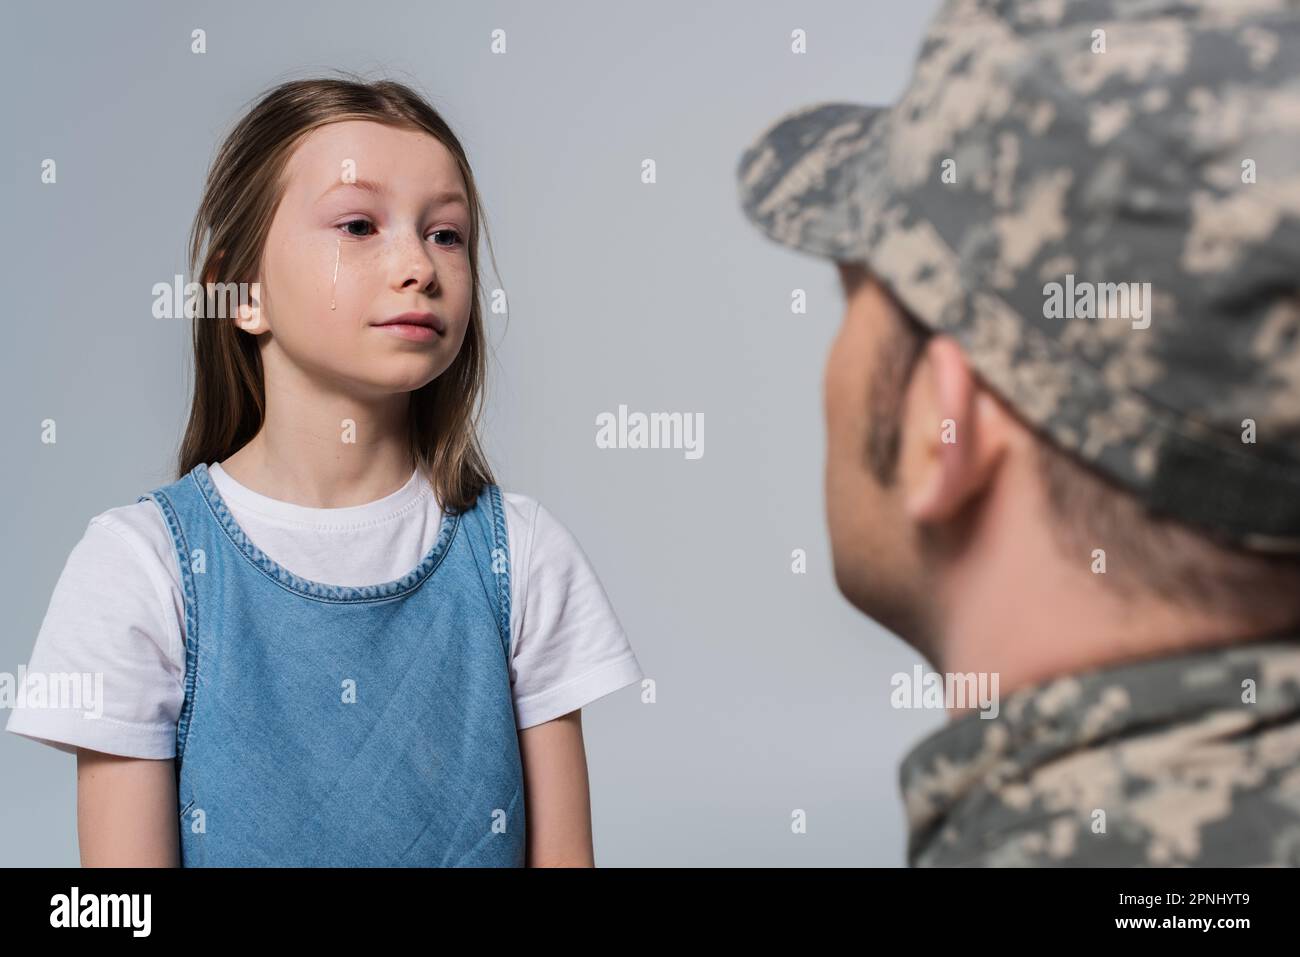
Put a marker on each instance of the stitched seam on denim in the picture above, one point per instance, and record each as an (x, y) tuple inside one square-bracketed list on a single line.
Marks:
[(319, 591), (190, 593), (501, 541), (306, 588), (527, 565)]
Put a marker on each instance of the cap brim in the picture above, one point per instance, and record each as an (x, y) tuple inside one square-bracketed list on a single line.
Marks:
[(805, 179)]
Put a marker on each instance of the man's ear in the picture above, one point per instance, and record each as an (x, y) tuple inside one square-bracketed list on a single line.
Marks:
[(955, 434)]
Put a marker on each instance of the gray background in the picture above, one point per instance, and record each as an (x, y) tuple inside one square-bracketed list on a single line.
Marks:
[(773, 693)]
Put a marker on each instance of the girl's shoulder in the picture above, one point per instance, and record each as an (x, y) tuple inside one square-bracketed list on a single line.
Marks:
[(137, 530), (126, 555), (540, 542), (113, 614), (521, 509)]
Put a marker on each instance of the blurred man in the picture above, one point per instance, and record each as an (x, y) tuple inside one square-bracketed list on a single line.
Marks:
[(1063, 417)]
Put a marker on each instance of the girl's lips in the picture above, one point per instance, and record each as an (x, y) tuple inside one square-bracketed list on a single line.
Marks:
[(409, 330)]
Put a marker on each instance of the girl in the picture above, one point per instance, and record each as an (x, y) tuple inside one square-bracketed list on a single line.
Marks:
[(333, 639)]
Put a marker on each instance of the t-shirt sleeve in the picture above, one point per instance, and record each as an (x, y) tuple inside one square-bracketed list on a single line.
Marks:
[(570, 648), (106, 653)]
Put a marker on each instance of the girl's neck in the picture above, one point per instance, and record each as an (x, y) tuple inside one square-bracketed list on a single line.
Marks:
[(327, 452)]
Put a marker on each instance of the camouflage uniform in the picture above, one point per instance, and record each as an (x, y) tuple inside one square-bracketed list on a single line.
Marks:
[(1142, 149), (1182, 760)]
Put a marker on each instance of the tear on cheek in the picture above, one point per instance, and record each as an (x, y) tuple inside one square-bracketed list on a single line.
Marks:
[(338, 254)]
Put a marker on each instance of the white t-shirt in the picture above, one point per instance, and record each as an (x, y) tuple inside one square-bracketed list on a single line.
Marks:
[(117, 608)]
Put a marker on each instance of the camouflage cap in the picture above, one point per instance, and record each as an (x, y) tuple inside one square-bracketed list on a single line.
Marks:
[(1100, 200)]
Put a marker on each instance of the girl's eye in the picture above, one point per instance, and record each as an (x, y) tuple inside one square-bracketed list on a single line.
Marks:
[(354, 222), (454, 234)]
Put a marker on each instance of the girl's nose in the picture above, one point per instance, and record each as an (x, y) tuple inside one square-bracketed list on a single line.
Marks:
[(417, 268)]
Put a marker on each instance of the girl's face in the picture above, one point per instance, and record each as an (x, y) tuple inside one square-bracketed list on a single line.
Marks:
[(386, 212)]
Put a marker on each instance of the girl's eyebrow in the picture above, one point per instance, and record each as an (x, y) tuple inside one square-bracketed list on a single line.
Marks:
[(446, 198)]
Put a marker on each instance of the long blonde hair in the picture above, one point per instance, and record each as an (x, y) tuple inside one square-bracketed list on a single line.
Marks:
[(244, 187)]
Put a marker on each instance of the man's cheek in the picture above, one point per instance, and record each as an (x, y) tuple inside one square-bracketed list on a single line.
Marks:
[(845, 410), (833, 383)]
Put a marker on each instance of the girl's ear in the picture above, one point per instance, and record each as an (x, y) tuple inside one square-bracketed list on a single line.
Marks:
[(249, 314), (250, 320), (250, 317)]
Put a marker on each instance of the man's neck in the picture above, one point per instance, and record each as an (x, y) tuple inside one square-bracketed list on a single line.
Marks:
[(1019, 608)]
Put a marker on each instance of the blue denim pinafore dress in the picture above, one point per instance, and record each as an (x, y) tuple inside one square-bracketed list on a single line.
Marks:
[(326, 725)]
